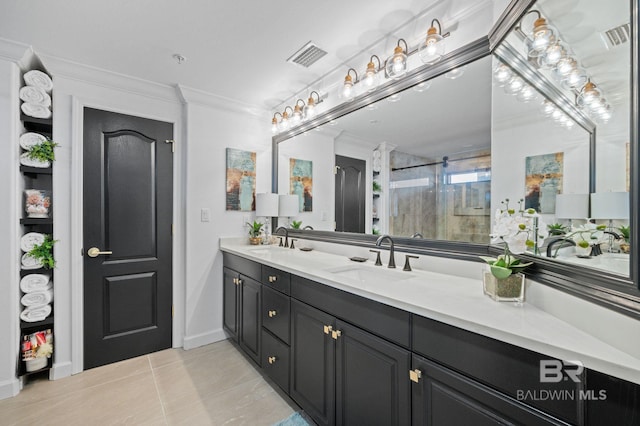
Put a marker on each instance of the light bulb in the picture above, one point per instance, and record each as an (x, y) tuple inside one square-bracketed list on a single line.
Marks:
[(569, 124), (502, 74), (514, 85), (397, 64), (297, 115), (347, 87), (527, 94), (421, 87), (284, 123), (565, 66), (547, 108), (274, 125), (575, 79), (557, 114), (553, 55), (455, 73), (395, 97), (432, 50), (370, 79), (542, 36)]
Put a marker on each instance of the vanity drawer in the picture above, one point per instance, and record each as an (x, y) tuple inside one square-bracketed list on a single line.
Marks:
[(275, 360), (276, 279), (275, 313)]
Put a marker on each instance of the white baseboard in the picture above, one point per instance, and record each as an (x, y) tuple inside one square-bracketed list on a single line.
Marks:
[(60, 371), (192, 342), (9, 388)]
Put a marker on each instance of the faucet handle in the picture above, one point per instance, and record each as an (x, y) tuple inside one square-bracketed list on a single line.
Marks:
[(292, 240), (407, 266), (378, 261)]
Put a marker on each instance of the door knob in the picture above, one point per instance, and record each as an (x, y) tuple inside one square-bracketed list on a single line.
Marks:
[(272, 359), (95, 252), (272, 314)]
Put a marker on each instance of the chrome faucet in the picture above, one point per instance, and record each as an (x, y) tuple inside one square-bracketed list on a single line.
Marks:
[(392, 260), (561, 242), (286, 236)]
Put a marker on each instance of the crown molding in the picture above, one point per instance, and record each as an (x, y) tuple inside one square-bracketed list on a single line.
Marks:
[(59, 67), (189, 95), (13, 51)]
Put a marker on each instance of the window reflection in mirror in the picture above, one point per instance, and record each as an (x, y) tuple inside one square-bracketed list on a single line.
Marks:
[(541, 154), (427, 150)]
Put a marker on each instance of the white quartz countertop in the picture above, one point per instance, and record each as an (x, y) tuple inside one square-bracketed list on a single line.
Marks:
[(450, 299)]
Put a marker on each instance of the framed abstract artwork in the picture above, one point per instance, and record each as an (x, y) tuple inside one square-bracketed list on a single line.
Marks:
[(543, 181), (241, 180)]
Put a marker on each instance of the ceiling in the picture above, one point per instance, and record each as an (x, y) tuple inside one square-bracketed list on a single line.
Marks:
[(234, 49)]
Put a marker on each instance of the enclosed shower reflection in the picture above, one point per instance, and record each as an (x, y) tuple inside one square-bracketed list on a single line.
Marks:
[(445, 199)]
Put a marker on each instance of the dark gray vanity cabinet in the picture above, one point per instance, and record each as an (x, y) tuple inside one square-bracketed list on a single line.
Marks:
[(343, 375), (242, 296), (444, 397), (276, 320)]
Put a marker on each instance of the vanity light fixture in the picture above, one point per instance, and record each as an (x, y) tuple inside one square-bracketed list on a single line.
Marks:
[(542, 36), (347, 87), (396, 65), (515, 84), (455, 73), (310, 108), (370, 79), (502, 74), (274, 123), (554, 54), (284, 122), (297, 112), (432, 50), (421, 87), (589, 94)]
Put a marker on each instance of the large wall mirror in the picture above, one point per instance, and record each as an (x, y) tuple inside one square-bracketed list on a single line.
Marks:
[(433, 158)]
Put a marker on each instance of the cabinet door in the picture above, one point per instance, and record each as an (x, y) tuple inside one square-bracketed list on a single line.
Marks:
[(250, 318), (312, 362), (444, 397), (372, 379), (230, 306)]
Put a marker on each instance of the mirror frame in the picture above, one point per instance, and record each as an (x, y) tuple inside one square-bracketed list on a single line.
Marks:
[(612, 291)]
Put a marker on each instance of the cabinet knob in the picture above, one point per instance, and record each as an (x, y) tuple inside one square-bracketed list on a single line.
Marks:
[(328, 329), (335, 334), (272, 359), (415, 375), (272, 314), (273, 278)]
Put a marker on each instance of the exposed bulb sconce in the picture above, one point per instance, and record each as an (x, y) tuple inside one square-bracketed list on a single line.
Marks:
[(284, 123), (455, 73), (297, 112), (502, 74), (347, 87), (310, 108), (432, 50), (396, 65), (554, 54), (274, 123), (370, 79), (542, 36), (589, 95)]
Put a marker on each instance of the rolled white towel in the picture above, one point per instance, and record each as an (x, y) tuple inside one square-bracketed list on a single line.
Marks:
[(38, 79), (35, 282), (35, 110), (35, 95), (35, 313), (37, 298)]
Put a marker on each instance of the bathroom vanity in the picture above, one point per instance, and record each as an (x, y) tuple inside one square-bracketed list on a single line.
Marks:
[(354, 343)]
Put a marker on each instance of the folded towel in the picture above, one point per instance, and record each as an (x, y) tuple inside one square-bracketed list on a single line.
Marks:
[(35, 95), (35, 313), (37, 298), (38, 79), (35, 282), (35, 110)]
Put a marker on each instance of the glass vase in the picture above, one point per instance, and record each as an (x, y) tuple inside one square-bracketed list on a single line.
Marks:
[(510, 289)]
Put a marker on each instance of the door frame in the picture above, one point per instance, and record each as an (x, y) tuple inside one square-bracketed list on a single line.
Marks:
[(77, 264)]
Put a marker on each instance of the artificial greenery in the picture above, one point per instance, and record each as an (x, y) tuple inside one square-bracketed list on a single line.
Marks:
[(43, 151), (295, 224), (375, 231), (505, 264), (254, 228), (557, 229), (44, 252), (376, 186), (625, 231)]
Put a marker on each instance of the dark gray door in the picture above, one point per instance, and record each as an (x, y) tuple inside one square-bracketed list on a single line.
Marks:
[(350, 194), (128, 199)]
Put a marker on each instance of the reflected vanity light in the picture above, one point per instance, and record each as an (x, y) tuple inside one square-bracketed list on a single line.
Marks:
[(542, 35), (395, 97), (455, 73), (421, 87), (502, 74)]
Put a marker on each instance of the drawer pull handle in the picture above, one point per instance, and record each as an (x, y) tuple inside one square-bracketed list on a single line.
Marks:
[(272, 314), (415, 375), (272, 359), (273, 278), (335, 334), (328, 329)]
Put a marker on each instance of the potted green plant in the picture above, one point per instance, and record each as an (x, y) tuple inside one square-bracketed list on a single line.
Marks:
[(254, 232), (626, 232), (376, 186), (43, 253), (43, 152), (556, 229), (295, 224)]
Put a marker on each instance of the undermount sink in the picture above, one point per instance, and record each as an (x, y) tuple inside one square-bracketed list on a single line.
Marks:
[(364, 273)]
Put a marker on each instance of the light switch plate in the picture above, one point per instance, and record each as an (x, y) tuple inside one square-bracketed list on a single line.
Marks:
[(205, 215)]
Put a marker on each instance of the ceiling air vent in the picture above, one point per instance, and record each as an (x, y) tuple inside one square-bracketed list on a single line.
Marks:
[(307, 55), (617, 35)]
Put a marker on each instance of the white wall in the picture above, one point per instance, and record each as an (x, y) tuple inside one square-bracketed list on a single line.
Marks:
[(318, 148), (210, 129), (9, 229)]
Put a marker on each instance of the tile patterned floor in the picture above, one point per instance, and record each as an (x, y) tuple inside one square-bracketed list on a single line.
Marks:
[(210, 385)]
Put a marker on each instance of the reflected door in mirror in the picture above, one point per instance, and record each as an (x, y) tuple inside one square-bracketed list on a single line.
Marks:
[(350, 194)]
